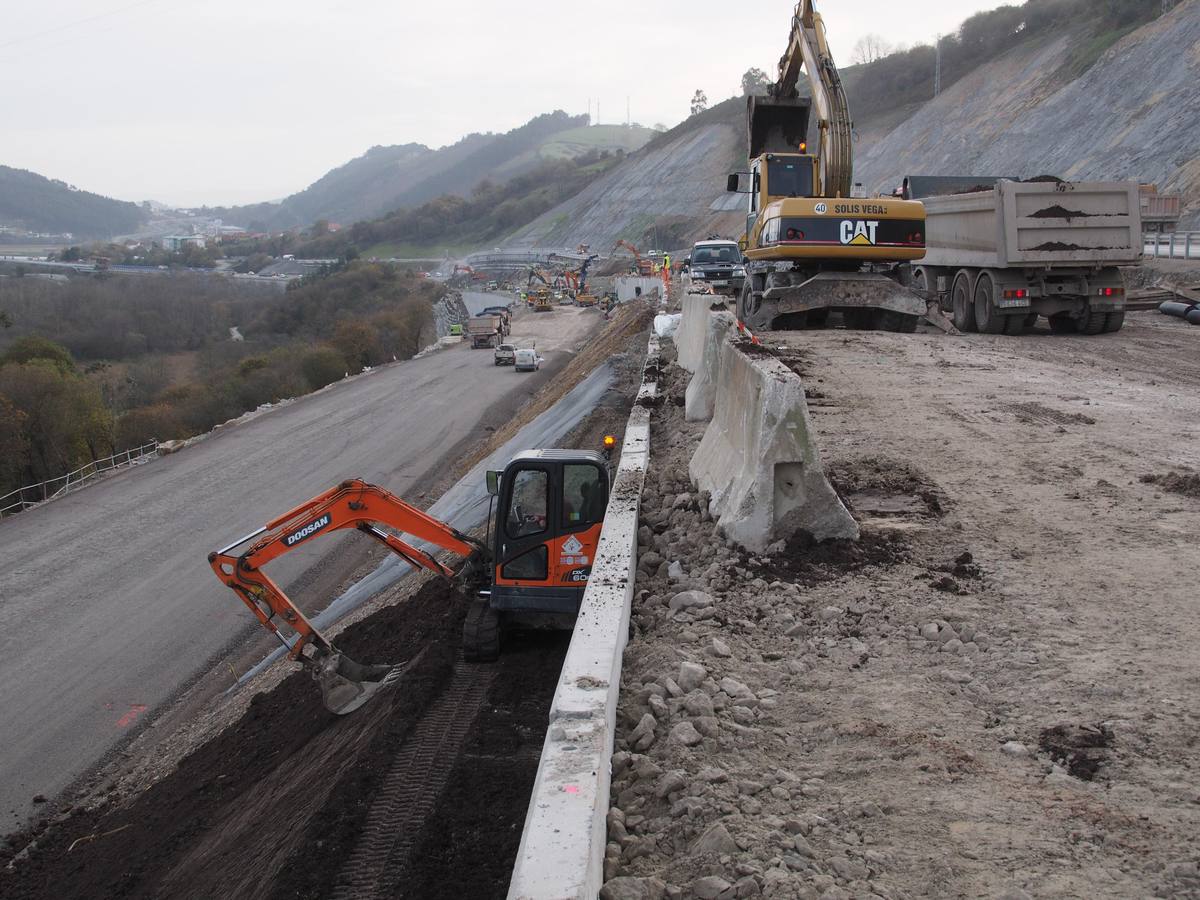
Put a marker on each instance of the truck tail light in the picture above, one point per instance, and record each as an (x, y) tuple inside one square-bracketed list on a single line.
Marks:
[(1016, 294), (1109, 292)]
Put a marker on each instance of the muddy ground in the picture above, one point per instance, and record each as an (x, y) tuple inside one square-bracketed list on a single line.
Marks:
[(268, 795), (993, 695)]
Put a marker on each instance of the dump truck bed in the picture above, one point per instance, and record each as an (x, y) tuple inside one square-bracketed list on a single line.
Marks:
[(1040, 224)]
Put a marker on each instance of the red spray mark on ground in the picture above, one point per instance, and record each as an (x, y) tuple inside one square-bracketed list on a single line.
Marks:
[(135, 710)]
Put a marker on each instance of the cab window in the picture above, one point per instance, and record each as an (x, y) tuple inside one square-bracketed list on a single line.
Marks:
[(584, 495), (531, 565), (529, 503)]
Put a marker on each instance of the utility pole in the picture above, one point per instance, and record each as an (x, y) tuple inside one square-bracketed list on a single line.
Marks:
[(937, 67), (597, 112), (626, 110)]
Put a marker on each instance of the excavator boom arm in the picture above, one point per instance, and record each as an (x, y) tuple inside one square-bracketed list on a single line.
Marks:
[(351, 504), (809, 49)]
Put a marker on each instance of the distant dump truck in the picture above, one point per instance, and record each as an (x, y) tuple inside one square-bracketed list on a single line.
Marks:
[(485, 331), (1001, 253)]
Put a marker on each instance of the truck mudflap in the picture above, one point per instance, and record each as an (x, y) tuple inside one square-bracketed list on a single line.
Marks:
[(839, 290)]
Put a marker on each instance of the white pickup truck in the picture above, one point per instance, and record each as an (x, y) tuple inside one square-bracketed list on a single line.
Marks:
[(506, 355)]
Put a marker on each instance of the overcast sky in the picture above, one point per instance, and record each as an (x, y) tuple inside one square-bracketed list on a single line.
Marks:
[(234, 101)]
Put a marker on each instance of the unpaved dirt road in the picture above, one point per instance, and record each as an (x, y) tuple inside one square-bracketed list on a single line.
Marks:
[(994, 693), (109, 606)]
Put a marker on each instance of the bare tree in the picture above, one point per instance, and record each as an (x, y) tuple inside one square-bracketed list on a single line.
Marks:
[(869, 48)]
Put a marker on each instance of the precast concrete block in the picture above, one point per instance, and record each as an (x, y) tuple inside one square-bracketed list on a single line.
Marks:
[(701, 393), (758, 459), (692, 332)]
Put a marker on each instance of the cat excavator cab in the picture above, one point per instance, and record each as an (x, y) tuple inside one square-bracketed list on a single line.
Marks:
[(544, 525)]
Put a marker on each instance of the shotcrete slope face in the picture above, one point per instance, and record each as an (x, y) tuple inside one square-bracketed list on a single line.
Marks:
[(682, 180), (1135, 114)]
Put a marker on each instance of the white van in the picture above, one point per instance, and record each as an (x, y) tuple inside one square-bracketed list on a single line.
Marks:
[(527, 360)]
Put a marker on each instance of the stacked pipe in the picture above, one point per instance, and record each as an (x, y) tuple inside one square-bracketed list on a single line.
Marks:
[(1189, 312)]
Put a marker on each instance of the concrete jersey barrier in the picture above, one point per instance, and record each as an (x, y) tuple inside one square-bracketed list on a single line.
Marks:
[(758, 460), (701, 395), (562, 846), (692, 332)]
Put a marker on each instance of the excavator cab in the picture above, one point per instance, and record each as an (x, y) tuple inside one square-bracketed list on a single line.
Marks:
[(551, 507)]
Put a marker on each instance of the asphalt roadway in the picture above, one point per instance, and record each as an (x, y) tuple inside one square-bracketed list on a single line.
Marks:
[(107, 604)]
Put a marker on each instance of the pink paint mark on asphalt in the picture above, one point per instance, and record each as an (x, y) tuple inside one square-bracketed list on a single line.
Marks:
[(571, 788), (135, 710)]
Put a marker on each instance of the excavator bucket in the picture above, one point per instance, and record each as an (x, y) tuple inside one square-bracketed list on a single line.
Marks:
[(777, 125), (347, 685)]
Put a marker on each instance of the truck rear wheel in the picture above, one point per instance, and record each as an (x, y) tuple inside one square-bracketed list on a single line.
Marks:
[(1114, 322), (1091, 322), (987, 317), (481, 633), (963, 308)]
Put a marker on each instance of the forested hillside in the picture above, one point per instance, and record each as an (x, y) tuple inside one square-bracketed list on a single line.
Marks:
[(40, 204), (385, 179)]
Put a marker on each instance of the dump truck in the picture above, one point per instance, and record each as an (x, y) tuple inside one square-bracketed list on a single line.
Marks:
[(1001, 253), (544, 523), (485, 331)]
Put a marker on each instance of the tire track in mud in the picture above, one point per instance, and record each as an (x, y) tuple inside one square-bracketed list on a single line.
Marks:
[(412, 786)]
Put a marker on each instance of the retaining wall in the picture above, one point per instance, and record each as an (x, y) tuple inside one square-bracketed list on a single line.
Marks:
[(627, 287), (562, 847)]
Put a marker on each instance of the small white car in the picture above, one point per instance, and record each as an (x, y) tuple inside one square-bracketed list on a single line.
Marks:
[(506, 355), (527, 360)]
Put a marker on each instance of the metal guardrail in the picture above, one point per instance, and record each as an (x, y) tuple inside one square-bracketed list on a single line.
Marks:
[(1176, 244), (33, 494)]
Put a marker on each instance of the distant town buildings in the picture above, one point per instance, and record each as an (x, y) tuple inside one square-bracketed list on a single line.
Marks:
[(176, 242)]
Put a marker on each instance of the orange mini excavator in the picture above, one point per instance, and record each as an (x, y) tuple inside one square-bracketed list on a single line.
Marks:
[(531, 570)]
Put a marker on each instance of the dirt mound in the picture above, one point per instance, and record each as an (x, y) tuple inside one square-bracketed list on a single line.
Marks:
[(1081, 748), (228, 820), (878, 485), (1184, 483), (805, 560)]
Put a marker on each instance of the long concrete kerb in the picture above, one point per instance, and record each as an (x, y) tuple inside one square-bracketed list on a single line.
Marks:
[(758, 459), (562, 846)]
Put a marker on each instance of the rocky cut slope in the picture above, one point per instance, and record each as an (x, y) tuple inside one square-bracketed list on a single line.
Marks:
[(1135, 114), (666, 195)]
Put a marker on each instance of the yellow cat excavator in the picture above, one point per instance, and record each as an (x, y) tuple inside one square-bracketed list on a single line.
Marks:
[(810, 245)]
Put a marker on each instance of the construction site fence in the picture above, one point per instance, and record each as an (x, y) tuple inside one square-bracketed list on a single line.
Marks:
[(33, 494), (1174, 245)]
